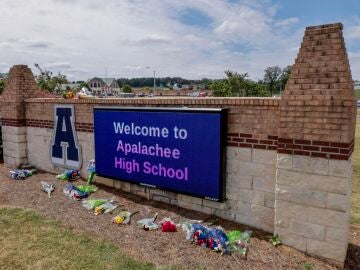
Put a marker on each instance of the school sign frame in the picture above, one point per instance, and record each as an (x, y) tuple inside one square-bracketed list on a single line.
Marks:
[(175, 149)]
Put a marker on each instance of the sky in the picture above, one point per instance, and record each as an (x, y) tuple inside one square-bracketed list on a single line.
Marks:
[(192, 39)]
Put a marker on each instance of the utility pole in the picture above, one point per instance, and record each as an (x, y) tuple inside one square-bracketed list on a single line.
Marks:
[(105, 87), (154, 83)]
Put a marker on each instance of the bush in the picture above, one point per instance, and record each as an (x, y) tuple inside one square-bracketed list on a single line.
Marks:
[(126, 89)]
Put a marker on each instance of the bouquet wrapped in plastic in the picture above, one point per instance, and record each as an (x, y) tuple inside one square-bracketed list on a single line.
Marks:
[(47, 187), (69, 175), (123, 217), (21, 174), (74, 193), (239, 241), (148, 224)]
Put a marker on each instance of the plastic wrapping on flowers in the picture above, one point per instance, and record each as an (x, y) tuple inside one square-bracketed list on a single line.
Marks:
[(167, 225), (22, 174), (239, 241), (105, 208), (47, 187), (87, 188), (74, 193), (69, 175), (148, 224), (91, 204)]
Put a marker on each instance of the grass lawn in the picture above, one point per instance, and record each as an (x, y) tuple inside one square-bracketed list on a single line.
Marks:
[(29, 241), (355, 199)]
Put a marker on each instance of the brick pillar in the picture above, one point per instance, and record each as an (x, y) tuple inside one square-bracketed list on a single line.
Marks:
[(316, 140), (20, 85)]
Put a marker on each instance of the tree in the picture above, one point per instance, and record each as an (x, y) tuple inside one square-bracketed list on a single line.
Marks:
[(221, 88), (126, 89), (2, 86), (47, 81), (238, 82), (271, 78), (238, 85), (284, 76)]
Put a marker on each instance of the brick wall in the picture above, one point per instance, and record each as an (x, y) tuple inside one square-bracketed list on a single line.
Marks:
[(251, 151), (316, 141), (254, 117)]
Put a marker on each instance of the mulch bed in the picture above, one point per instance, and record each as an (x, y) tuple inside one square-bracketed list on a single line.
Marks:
[(162, 249)]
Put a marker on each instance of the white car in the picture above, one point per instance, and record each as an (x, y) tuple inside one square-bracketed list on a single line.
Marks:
[(358, 103)]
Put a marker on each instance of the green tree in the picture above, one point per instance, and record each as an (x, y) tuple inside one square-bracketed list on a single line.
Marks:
[(237, 85), (2, 86), (221, 88), (49, 82), (271, 78), (284, 76), (126, 89)]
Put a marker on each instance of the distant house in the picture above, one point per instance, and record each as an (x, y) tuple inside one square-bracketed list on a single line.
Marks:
[(103, 86)]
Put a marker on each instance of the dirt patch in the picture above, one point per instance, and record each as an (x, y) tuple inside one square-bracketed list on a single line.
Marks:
[(162, 249)]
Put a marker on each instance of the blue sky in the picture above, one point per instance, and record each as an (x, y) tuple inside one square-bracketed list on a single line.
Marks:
[(188, 38)]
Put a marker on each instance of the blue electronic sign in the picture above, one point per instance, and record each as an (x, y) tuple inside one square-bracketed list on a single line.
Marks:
[(173, 149)]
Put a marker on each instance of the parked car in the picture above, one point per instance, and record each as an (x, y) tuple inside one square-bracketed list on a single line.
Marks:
[(202, 94), (358, 103), (194, 94)]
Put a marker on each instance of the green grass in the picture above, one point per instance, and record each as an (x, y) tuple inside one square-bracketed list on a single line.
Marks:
[(29, 241), (355, 199)]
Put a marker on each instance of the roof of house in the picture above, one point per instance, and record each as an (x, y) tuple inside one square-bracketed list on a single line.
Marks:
[(63, 86), (107, 81)]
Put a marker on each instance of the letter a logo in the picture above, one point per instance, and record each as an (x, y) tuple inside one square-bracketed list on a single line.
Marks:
[(65, 149)]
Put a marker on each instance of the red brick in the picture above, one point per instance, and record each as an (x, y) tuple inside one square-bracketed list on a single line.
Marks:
[(245, 145), (259, 146), (282, 140), (315, 154), (246, 135), (321, 143), (285, 151), (231, 144), (269, 142), (303, 142), (341, 145), (339, 157), (330, 150), (311, 148), (302, 153), (292, 146)]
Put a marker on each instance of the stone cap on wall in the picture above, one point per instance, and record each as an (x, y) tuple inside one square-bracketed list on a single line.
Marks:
[(260, 101)]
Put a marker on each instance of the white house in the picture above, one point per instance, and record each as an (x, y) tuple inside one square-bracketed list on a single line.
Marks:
[(103, 86)]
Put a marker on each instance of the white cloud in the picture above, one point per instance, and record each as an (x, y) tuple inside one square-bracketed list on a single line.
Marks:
[(58, 65), (83, 38), (353, 33), (287, 22)]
